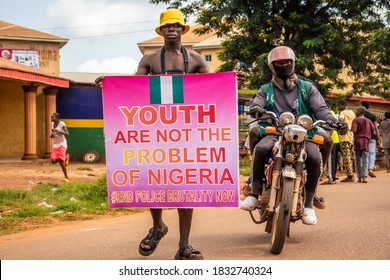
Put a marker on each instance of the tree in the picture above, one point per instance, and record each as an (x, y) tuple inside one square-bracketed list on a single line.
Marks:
[(328, 37)]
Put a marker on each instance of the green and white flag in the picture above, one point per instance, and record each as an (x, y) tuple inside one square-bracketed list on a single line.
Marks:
[(166, 90)]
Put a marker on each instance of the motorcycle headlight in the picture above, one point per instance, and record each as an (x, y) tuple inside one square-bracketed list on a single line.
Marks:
[(286, 118), (305, 121), (294, 133)]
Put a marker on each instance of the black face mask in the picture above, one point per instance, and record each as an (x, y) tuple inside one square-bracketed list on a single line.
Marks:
[(283, 72)]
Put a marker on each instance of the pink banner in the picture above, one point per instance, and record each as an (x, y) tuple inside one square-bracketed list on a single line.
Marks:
[(171, 140)]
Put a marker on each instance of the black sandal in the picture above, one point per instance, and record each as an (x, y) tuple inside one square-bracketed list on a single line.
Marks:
[(188, 253), (319, 202), (152, 239)]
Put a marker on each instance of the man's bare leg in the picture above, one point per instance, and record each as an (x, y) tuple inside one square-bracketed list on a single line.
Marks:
[(157, 219), (185, 249), (185, 221), (63, 166), (158, 224)]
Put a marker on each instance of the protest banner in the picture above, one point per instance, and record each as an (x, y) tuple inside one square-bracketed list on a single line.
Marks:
[(171, 140)]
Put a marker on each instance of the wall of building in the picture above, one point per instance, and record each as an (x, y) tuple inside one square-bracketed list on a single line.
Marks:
[(215, 62), (81, 108), (12, 120), (49, 53), (12, 102), (378, 109)]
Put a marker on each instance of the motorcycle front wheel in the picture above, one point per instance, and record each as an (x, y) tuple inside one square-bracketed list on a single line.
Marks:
[(281, 216)]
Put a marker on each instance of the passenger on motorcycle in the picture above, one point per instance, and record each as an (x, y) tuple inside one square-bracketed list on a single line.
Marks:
[(287, 93)]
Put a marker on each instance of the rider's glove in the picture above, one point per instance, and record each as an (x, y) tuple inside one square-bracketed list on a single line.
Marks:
[(241, 78), (342, 127), (255, 111), (99, 82)]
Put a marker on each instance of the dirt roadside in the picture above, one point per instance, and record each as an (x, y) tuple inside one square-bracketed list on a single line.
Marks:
[(23, 174)]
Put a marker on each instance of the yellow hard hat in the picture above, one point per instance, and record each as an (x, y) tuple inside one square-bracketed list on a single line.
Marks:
[(172, 16)]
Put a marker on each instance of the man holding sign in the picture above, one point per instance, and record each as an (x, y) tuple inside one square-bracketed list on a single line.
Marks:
[(176, 134), (173, 58)]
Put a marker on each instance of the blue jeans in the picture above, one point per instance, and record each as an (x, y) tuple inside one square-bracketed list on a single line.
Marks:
[(372, 154), (387, 158), (361, 164)]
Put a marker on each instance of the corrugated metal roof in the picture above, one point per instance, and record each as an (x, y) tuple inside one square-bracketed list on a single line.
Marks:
[(16, 71), (9, 31)]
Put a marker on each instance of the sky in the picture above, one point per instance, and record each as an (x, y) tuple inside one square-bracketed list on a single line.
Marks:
[(103, 34)]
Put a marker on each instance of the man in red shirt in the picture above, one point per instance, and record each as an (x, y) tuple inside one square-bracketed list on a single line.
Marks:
[(362, 129), (375, 139)]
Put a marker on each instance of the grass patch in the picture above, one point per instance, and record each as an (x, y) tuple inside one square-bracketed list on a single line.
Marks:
[(22, 209), (84, 168), (245, 166)]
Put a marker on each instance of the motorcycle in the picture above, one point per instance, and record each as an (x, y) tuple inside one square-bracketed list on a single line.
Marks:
[(283, 192)]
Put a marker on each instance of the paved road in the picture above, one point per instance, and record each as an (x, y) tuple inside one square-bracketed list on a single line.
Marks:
[(355, 225)]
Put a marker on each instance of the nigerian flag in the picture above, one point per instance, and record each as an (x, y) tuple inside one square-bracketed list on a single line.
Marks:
[(166, 89)]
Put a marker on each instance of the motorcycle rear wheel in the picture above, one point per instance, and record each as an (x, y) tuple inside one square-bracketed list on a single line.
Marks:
[(281, 217)]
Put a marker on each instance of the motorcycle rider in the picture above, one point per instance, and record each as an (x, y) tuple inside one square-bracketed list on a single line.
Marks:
[(287, 93)]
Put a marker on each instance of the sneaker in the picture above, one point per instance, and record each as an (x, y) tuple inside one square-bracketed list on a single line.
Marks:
[(347, 179), (329, 182), (371, 174), (309, 216), (249, 203)]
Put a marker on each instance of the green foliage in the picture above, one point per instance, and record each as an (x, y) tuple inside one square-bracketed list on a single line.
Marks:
[(327, 37), (245, 166), (30, 212), (8, 196), (85, 168)]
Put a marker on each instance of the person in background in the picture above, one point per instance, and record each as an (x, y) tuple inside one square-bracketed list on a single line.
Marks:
[(375, 139), (384, 130), (362, 129), (332, 162), (346, 140), (58, 133), (287, 93)]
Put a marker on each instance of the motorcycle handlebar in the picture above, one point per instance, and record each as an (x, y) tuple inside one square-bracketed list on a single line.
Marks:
[(330, 125), (265, 115)]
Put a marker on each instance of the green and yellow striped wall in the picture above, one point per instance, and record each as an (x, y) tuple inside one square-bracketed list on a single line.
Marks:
[(82, 111)]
